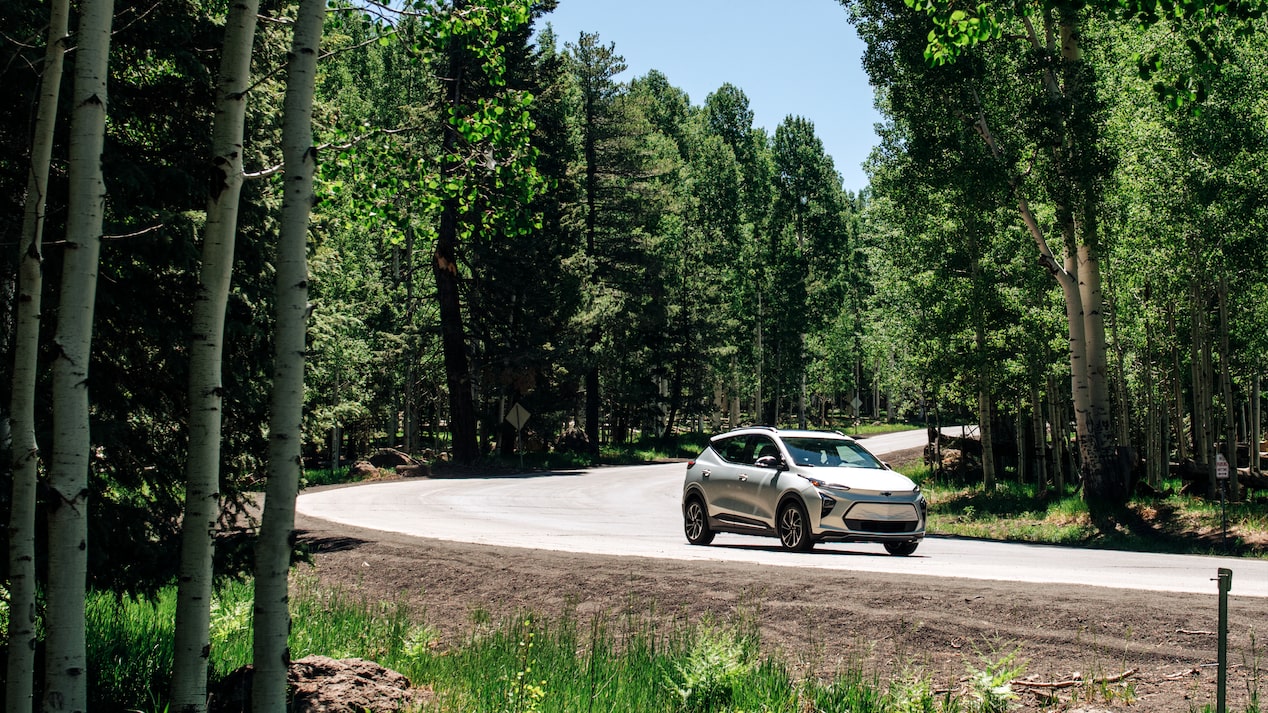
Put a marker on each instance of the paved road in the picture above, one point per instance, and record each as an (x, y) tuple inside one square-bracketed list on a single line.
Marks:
[(635, 511)]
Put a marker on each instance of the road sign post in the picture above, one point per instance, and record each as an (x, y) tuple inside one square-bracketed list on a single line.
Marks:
[(517, 417), (1225, 579), (1221, 475)]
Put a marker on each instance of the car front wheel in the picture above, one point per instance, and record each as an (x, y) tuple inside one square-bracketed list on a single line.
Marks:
[(794, 528), (695, 523), (901, 549)]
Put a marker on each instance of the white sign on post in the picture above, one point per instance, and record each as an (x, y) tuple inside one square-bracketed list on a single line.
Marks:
[(1221, 466)]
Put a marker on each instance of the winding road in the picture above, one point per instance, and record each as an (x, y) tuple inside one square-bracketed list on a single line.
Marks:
[(635, 511)]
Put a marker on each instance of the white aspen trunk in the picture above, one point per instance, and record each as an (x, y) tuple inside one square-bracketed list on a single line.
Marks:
[(1040, 450), (20, 676), (1057, 421), (1019, 437), (984, 416), (1226, 378), (1097, 443), (1256, 419), (66, 679), (1177, 402), (192, 642), (273, 550), (986, 431)]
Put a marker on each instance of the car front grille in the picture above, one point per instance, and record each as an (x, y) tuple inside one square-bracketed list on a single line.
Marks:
[(881, 525)]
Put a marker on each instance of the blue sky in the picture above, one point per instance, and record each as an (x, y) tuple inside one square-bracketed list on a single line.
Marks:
[(798, 57)]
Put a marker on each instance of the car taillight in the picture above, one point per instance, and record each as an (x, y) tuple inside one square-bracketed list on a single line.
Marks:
[(691, 464)]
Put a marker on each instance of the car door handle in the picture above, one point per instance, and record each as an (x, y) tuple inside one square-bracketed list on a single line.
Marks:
[(706, 474), (743, 476)]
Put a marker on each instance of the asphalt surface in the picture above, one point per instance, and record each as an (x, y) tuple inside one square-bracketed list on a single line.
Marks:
[(635, 511)]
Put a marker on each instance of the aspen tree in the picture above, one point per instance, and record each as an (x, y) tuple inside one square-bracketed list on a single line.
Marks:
[(66, 675), (20, 677), (202, 472)]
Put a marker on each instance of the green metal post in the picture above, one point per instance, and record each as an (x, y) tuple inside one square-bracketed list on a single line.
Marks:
[(1225, 584)]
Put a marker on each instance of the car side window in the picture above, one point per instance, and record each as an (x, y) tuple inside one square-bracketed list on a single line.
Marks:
[(763, 446), (732, 449)]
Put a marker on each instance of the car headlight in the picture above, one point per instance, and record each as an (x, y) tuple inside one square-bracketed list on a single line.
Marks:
[(823, 484)]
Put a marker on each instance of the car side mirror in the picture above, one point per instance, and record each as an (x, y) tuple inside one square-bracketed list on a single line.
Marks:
[(769, 462)]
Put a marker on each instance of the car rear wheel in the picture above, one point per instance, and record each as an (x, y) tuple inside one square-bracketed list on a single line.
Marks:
[(695, 523), (902, 549), (794, 528)]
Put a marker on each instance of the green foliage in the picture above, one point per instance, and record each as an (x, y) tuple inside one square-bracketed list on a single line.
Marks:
[(706, 679), (490, 170), (990, 679)]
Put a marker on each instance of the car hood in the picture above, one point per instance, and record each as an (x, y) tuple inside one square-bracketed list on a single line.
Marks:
[(863, 479)]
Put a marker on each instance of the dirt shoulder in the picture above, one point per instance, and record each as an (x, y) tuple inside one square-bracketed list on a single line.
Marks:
[(822, 621)]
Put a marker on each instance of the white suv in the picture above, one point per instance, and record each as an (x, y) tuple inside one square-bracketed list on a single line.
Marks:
[(802, 487)]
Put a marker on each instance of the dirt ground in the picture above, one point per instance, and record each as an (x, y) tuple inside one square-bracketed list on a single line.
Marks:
[(1162, 644)]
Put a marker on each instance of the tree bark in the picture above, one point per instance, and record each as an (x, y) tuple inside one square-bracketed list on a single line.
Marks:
[(22, 635), (1102, 479), (192, 644), (1226, 379), (1040, 453), (65, 686), (273, 550), (462, 420), (1177, 403), (1256, 420)]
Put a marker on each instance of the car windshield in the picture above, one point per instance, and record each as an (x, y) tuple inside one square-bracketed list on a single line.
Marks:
[(830, 452)]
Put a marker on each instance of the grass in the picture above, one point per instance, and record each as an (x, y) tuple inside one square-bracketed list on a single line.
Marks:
[(522, 665), (1016, 513)]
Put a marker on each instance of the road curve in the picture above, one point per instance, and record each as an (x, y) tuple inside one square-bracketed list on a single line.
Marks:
[(634, 511)]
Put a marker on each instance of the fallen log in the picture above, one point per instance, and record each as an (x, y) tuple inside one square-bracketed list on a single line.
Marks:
[(1076, 681)]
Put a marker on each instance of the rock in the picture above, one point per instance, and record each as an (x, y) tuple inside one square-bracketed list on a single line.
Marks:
[(320, 684), (362, 470), (414, 471), (390, 458)]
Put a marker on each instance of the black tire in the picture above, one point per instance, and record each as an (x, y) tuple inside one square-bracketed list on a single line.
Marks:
[(902, 549), (793, 526), (695, 523)]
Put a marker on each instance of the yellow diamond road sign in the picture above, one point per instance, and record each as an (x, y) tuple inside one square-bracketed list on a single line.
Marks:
[(518, 416)]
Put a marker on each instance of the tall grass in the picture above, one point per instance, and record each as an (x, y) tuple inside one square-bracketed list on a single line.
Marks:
[(629, 664), (524, 665)]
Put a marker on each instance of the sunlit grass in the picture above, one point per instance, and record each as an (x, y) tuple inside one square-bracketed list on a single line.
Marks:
[(625, 663), (1016, 512)]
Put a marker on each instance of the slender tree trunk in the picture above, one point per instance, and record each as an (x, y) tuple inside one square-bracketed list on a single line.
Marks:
[(273, 550), (20, 677), (1123, 434), (1040, 452), (1256, 421), (1203, 433), (1226, 380), (65, 686), (1153, 451), (1097, 444), (1057, 419), (1019, 436), (192, 645), (1177, 402), (985, 417)]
